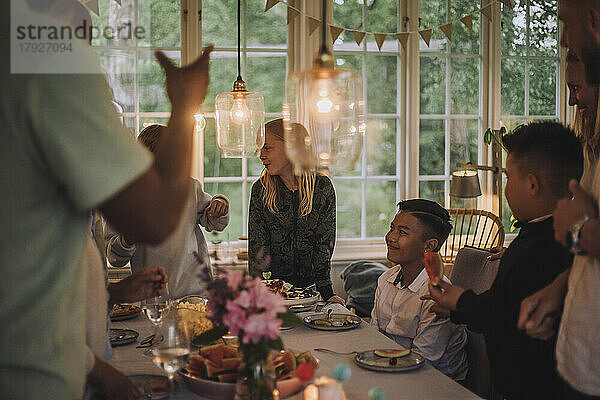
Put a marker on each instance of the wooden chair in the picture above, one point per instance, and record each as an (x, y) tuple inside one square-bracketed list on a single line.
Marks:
[(475, 228)]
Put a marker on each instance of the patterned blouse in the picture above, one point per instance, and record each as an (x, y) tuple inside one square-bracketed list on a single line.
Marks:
[(300, 247)]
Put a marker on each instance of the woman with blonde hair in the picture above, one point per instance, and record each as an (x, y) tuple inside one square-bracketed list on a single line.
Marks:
[(291, 228)]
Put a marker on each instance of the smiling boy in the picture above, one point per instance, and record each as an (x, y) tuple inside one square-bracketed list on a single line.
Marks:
[(419, 226)]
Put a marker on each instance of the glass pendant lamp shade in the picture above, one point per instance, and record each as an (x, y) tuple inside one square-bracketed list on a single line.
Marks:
[(240, 119), (324, 114), (240, 115)]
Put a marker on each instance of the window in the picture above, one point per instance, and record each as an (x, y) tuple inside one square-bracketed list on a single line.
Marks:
[(455, 95), (128, 58), (366, 200), (530, 87), (450, 100)]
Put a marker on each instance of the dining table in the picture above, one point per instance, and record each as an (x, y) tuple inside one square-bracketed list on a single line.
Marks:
[(424, 382)]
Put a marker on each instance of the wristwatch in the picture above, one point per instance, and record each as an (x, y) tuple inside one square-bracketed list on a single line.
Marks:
[(573, 235)]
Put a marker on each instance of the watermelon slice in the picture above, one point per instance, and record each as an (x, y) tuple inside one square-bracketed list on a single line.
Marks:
[(228, 378), (214, 353), (391, 353), (434, 266), (230, 352)]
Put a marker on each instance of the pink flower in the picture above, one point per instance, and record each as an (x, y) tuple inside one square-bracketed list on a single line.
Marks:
[(234, 279), (260, 326), (263, 298), (235, 318)]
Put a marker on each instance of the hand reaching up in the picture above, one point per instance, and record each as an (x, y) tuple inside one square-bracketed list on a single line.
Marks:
[(140, 285)]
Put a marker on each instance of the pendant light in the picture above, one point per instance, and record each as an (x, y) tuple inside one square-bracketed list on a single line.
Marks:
[(323, 114), (240, 116)]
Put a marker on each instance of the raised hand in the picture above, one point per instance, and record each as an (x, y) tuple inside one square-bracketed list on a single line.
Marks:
[(140, 285), (186, 86), (447, 297), (217, 208)]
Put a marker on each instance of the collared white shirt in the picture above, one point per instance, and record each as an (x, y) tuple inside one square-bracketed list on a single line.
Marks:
[(401, 315)]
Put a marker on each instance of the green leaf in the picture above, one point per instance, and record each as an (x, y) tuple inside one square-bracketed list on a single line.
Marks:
[(289, 319), (275, 344), (209, 336)]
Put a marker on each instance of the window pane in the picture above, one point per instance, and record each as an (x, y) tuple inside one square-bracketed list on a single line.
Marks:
[(223, 72), (513, 86), (464, 90), (348, 195), (349, 62), (265, 28), (214, 164), (433, 13), (381, 207), (514, 24), (255, 166), (543, 31), (153, 96), (381, 147), (382, 16), (219, 23), (119, 66), (130, 123), (111, 26), (233, 192), (431, 147), (464, 134), (433, 85), (161, 21), (432, 190), (381, 84), (542, 87), (266, 75), (349, 14), (464, 41)]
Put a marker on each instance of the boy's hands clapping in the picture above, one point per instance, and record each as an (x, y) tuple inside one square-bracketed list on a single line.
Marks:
[(217, 208)]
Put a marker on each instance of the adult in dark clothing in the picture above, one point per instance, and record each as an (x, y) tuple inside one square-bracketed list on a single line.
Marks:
[(542, 158), (291, 227), (360, 282)]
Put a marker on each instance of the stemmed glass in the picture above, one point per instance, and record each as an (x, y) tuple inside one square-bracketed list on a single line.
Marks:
[(171, 354), (156, 308)]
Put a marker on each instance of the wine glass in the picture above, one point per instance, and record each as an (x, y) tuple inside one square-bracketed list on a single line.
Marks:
[(171, 354), (156, 308)]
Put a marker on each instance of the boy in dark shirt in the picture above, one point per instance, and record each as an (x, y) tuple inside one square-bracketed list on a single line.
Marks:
[(542, 158)]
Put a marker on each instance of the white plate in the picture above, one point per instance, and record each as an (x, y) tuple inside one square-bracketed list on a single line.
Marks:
[(370, 361), (339, 322)]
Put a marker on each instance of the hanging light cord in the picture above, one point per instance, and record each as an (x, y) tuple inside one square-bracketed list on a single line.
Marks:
[(239, 42), (324, 48)]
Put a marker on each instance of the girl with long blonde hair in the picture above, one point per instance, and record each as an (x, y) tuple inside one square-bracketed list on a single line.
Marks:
[(291, 227)]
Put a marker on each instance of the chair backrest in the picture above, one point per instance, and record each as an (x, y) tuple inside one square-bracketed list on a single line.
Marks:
[(476, 228), (472, 270)]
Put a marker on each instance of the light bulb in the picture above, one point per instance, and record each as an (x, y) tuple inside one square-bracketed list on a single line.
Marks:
[(240, 113), (323, 100)]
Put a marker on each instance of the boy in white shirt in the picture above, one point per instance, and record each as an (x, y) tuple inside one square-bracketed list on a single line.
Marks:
[(419, 226)]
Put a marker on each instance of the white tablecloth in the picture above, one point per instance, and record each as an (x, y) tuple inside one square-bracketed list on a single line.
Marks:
[(423, 383)]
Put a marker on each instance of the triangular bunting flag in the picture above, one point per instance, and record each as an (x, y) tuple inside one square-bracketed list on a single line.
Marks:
[(291, 14), (507, 3), (118, 1), (358, 36), (447, 30), (468, 21), (403, 38), (336, 31), (92, 5), (487, 11), (426, 35), (313, 24), (379, 39), (270, 4)]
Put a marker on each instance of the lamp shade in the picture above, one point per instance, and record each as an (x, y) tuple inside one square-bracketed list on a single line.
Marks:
[(240, 120), (328, 103), (465, 184)]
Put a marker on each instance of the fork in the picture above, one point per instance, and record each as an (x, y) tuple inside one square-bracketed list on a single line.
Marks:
[(335, 352)]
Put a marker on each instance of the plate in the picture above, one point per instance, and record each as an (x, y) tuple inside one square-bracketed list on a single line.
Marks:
[(336, 322), (226, 391), (119, 337), (368, 360), (292, 295), (122, 312), (298, 308), (152, 386)]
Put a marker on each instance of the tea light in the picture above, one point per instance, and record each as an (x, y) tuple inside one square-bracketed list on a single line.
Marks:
[(324, 388)]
